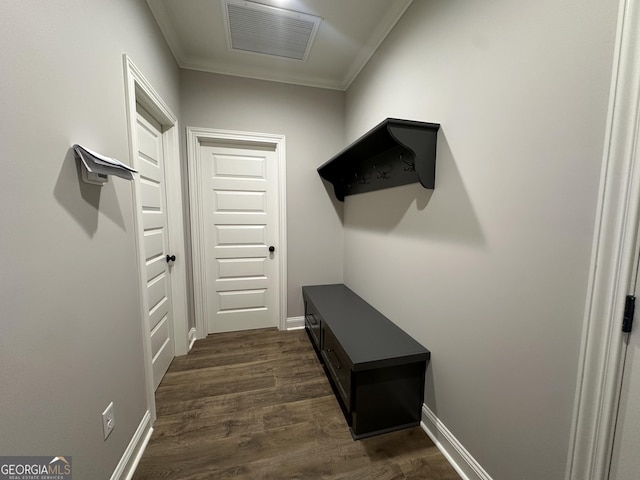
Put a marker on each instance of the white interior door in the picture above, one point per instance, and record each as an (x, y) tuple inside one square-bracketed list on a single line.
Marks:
[(155, 242), (239, 194), (625, 460)]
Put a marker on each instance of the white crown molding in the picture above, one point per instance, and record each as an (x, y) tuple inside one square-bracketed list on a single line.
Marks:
[(260, 74), (163, 20), (375, 40), (365, 53)]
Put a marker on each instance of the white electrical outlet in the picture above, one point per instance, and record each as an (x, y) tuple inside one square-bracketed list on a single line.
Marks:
[(108, 420)]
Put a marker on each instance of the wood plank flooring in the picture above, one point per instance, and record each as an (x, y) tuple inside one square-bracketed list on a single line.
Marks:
[(257, 405)]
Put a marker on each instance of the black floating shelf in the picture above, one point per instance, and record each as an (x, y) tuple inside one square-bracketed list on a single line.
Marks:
[(395, 152)]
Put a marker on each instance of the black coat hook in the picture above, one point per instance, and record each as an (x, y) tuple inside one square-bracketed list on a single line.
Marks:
[(361, 180), (410, 166), (382, 174)]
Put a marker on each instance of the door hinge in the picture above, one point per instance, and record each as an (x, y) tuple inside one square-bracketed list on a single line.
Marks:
[(629, 309)]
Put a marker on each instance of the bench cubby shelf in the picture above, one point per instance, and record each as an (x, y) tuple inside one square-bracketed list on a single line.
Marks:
[(393, 153)]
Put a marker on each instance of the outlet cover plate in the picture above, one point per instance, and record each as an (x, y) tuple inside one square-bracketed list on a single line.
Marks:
[(108, 420)]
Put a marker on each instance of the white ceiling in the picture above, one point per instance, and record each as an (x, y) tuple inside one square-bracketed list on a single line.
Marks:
[(348, 35)]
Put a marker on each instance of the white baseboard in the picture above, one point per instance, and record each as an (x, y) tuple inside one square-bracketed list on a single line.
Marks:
[(295, 323), (467, 467), (127, 465), (192, 337)]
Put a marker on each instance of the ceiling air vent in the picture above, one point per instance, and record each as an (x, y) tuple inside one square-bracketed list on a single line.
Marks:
[(253, 27)]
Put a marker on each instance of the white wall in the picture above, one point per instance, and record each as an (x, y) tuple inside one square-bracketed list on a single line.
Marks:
[(312, 119), (70, 334), (489, 271)]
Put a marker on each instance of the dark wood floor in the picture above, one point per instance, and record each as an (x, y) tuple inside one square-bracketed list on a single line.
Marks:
[(257, 405)]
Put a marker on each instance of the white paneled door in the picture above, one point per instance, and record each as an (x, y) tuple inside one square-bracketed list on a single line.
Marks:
[(155, 242), (240, 231)]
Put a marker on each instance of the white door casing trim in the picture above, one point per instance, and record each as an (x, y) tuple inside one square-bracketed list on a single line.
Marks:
[(139, 90), (196, 135), (613, 261)]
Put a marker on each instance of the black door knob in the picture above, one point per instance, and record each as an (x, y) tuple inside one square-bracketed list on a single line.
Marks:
[(272, 249), (171, 258)]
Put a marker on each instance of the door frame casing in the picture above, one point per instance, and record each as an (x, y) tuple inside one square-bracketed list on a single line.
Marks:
[(195, 136), (613, 262), (139, 90)]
